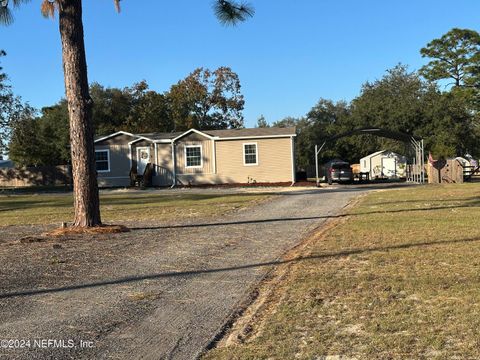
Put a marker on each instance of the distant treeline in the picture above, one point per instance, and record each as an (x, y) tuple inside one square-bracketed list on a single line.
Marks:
[(400, 101), (439, 103), (203, 100)]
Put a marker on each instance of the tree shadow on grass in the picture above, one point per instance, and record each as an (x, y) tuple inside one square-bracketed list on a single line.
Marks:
[(303, 218), (470, 200), (193, 273)]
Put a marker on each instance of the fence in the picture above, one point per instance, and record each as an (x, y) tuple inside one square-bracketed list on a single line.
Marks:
[(445, 171), (36, 176)]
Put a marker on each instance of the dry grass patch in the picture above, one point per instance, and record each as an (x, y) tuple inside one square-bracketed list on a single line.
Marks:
[(124, 207), (398, 279)]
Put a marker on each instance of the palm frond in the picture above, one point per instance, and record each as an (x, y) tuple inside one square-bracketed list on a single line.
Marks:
[(231, 12), (117, 5), (6, 17), (17, 3), (48, 8)]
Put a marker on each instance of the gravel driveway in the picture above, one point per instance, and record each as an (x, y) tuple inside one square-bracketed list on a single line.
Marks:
[(158, 292)]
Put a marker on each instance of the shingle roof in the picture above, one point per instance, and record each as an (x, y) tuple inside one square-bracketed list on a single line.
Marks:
[(272, 131), (161, 136), (219, 134), (228, 133)]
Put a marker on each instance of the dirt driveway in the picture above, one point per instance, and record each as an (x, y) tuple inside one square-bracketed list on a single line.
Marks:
[(159, 292)]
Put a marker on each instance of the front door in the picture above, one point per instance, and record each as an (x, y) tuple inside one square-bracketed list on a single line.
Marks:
[(143, 158)]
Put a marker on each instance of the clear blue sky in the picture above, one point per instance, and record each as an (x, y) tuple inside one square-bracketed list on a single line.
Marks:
[(288, 56)]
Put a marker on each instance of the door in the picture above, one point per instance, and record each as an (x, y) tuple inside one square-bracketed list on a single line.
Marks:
[(143, 158), (390, 167)]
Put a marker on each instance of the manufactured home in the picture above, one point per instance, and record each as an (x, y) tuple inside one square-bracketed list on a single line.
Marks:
[(194, 157), (384, 165)]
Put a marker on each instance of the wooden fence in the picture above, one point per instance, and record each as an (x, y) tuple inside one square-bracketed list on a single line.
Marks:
[(36, 176), (445, 171)]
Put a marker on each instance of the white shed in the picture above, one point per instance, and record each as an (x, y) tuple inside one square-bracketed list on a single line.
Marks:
[(384, 164)]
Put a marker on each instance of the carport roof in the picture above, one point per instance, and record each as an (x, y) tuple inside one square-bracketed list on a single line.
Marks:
[(390, 134)]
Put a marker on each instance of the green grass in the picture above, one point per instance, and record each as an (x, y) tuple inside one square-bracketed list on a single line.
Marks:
[(56, 208), (398, 279)]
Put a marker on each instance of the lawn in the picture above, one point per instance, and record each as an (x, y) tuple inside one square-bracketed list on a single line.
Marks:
[(131, 206), (399, 278)]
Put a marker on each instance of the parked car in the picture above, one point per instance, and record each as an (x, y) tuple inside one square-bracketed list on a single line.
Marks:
[(338, 171)]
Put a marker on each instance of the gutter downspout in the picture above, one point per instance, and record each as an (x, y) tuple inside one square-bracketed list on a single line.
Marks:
[(156, 160), (130, 156), (214, 156), (174, 166), (292, 146)]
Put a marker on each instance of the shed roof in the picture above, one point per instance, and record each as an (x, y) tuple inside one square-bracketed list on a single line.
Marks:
[(381, 152), (373, 154)]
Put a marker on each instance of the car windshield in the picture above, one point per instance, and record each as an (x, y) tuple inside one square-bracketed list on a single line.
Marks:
[(341, 166)]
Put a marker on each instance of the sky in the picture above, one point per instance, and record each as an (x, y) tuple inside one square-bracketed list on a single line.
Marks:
[(288, 56)]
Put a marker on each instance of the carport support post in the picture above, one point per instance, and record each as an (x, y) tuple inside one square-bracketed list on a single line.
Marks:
[(419, 161), (317, 151), (413, 162), (414, 168), (419, 164), (423, 163)]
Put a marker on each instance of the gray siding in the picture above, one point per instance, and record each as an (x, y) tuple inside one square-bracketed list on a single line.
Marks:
[(164, 168), (207, 154), (119, 161)]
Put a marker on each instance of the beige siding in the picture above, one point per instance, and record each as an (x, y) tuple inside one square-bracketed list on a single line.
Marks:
[(274, 158), (207, 154)]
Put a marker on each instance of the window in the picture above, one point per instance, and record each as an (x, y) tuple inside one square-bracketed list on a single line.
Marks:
[(193, 156), (250, 156), (102, 159)]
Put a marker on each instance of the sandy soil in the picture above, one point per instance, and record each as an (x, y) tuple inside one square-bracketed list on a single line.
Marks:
[(159, 291)]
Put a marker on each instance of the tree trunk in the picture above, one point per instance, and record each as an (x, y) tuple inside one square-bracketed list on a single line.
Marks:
[(86, 199)]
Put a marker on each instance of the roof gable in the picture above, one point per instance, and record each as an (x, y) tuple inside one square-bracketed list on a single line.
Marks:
[(117, 137), (253, 133), (193, 131)]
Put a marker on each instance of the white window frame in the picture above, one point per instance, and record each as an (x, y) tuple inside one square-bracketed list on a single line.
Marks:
[(201, 156), (256, 154), (108, 160)]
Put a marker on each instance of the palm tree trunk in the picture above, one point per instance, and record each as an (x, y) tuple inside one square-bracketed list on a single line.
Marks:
[(86, 199)]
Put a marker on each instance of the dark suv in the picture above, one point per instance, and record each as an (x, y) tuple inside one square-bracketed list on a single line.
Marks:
[(338, 171)]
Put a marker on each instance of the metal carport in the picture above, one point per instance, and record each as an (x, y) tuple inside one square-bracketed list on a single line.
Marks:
[(418, 173)]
